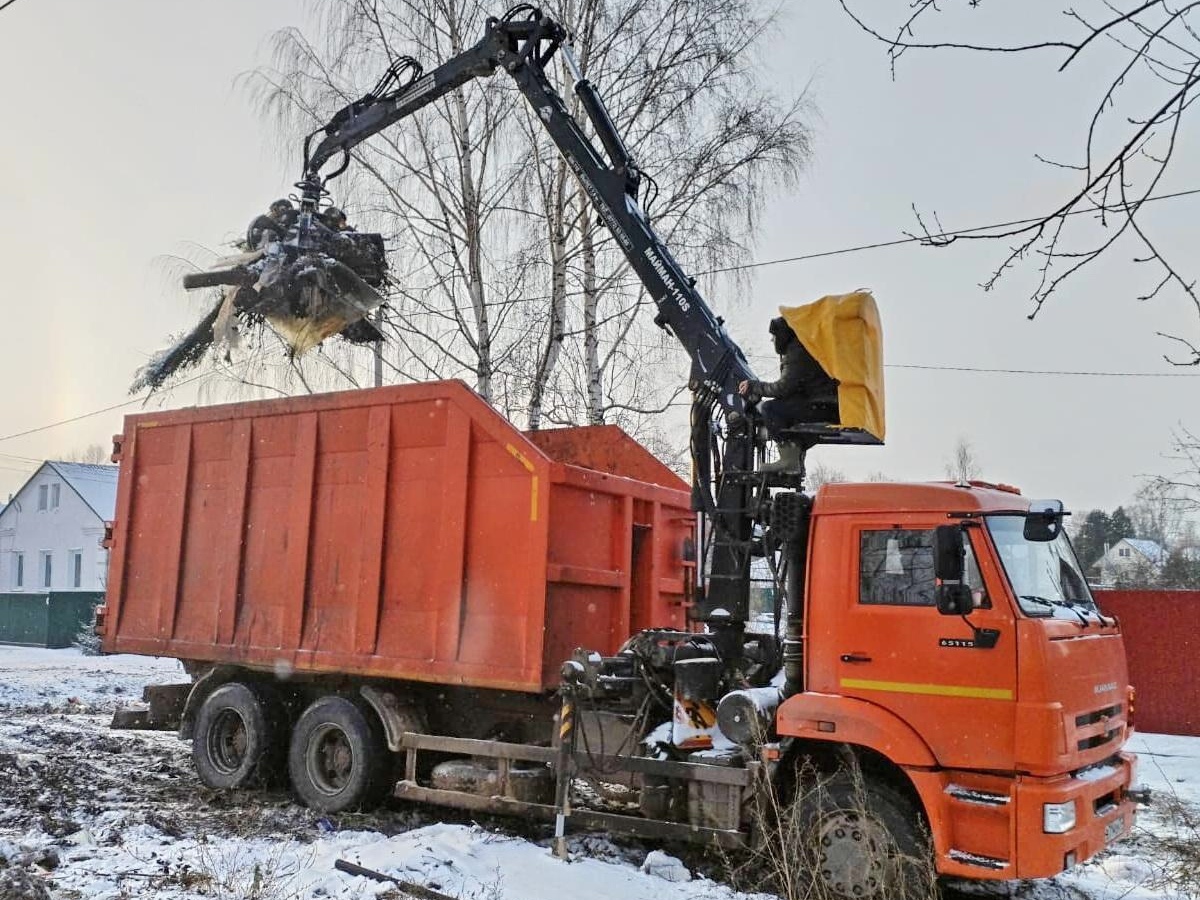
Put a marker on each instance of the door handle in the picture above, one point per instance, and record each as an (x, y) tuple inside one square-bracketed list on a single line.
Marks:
[(855, 658)]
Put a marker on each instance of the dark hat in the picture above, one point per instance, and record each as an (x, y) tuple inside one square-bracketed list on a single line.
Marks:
[(779, 325), (281, 204)]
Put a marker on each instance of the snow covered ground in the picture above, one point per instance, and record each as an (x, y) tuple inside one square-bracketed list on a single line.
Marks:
[(115, 814)]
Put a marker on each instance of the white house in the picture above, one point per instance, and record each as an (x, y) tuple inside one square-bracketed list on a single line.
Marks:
[(50, 532), (1129, 556)]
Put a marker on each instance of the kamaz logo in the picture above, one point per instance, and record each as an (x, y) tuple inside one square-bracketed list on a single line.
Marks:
[(1104, 688), (660, 268)]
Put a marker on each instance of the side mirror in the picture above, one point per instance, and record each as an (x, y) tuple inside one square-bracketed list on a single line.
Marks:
[(953, 599), (949, 555), (1044, 521)]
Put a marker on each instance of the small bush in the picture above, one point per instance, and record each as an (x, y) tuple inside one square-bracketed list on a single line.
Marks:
[(87, 641), (1179, 849)]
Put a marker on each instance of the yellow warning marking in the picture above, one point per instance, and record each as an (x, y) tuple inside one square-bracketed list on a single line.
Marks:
[(533, 488), (937, 690)]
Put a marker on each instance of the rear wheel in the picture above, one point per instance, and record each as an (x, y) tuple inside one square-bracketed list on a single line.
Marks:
[(338, 758), (235, 741)]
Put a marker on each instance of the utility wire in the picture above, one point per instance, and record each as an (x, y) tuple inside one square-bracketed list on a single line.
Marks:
[(6, 4), (775, 262), (984, 371), (920, 239), (1046, 372), (762, 264), (95, 412)]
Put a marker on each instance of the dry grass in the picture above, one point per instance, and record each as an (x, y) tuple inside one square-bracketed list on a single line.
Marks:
[(236, 871), (795, 849), (1179, 850)]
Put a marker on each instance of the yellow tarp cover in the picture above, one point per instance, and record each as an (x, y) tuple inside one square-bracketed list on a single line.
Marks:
[(843, 334)]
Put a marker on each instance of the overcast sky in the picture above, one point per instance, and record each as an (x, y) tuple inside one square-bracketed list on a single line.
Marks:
[(127, 139)]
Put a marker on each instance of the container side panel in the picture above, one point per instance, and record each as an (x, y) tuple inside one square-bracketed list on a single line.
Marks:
[(663, 599), (418, 471), (338, 518), (503, 582), (412, 561), (231, 544), (578, 615), (581, 523), (202, 564), (371, 547), (587, 577), (260, 614), (298, 557), (151, 561)]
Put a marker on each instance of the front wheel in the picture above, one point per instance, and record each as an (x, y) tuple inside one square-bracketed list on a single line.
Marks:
[(338, 759), (866, 841)]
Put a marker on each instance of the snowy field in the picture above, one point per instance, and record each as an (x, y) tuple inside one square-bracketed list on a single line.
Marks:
[(92, 814)]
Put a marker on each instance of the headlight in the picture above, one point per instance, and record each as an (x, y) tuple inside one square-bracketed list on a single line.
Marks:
[(1058, 818)]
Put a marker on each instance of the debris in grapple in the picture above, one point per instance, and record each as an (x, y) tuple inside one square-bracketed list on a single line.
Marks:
[(306, 274)]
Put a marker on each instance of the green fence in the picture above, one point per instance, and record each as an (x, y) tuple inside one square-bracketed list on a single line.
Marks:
[(46, 620)]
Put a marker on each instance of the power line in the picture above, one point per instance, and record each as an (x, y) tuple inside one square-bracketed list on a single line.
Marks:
[(859, 248), (918, 239), (1046, 372), (973, 369), (774, 262), (96, 412), (6, 4)]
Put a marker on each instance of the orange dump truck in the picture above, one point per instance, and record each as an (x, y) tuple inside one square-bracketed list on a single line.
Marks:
[(375, 592)]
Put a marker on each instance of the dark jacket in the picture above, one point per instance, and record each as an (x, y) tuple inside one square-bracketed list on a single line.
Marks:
[(799, 375)]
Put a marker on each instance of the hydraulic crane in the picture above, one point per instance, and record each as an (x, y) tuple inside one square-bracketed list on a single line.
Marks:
[(725, 443)]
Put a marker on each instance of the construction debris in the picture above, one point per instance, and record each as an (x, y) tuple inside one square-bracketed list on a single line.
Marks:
[(320, 279)]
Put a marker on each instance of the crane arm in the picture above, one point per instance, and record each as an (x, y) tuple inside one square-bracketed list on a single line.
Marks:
[(523, 43)]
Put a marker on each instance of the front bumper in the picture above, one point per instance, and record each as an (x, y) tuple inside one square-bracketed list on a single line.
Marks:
[(1104, 814), (992, 827)]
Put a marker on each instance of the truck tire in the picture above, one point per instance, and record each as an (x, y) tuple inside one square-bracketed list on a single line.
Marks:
[(867, 841), (236, 740), (338, 758)]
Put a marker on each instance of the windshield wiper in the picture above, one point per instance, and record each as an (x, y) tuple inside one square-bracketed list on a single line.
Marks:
[(1053, 604)]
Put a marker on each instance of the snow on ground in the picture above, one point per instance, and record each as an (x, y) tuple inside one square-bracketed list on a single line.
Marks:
[(111, 815), (31, 677)]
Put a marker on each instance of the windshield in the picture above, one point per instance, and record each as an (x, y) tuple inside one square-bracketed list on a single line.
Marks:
[(1045, 576)]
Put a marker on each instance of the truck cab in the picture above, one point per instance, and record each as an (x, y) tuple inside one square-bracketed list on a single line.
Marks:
[(1006, 714)]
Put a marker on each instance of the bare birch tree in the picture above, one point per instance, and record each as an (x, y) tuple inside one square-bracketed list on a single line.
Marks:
[(1149, 53), (680, 82), (963, 466), (501, 270), (438, 187)]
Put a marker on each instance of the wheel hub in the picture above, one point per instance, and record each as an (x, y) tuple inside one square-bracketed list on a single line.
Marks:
[(854, 853), (227, 741), (330, 760)]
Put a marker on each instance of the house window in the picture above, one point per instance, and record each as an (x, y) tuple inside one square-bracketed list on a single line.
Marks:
[(43, 497), (18, 570), (55, 495), (76, 568), (1122, 551), (47, 568)]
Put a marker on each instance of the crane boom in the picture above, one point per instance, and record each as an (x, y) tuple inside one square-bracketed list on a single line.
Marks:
[(523, 46)]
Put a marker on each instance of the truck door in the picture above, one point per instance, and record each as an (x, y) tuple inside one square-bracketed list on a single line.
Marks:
[(891, 647)]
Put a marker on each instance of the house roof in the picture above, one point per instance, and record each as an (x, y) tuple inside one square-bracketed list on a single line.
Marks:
[(1149, 549), (95, 484)]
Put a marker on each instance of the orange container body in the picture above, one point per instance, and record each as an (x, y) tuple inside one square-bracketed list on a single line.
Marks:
[(404, 532)]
